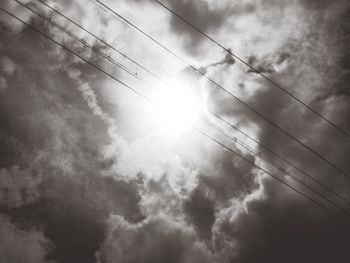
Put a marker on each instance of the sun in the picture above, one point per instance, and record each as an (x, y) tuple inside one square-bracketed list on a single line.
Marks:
[(174, 106)]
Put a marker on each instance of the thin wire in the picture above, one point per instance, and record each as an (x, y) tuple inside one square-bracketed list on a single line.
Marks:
[(100, 7), (254, 69), (100, 39), (190, 125), (231, 125), (113, 61), (74, 53), (280, 157), (279, 168), (257, 166), (341, 171)]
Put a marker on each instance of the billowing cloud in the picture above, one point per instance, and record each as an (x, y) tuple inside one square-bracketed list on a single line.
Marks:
[(157, 239), (18, 187), (3, 84), (279, 232), (85, 177), (19, 245), (208, 16), (55, 175), (7, 66)]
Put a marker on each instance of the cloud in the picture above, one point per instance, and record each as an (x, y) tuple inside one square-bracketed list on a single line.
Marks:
[(208, 16), (78, 204), (228, 60), (156, 239), (7, 69), (201, 212), (280, 225), (54, 173), (131, 195), (316, 5), (279, 228), (19, 246), (3, 84), (18, 187), (262, 67), (7, 66)]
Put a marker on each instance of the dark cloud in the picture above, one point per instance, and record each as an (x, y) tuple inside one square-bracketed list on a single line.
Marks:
[(284, 227), (228, 60), (62, 198), (54, 176), (200, 14), (280, 227), (228, 180), (207, 18), (205, 15), (201, 212), (18, 187), (294, 232), (337, 41), (267, 64), (19, 246), (259, 66), (73, 211), (154, 240), (317, 5)]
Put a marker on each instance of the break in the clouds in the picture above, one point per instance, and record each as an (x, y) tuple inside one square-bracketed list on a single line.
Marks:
[(87, 174)]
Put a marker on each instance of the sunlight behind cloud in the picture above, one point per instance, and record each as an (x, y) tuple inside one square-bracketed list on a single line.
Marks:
[(173, 107)]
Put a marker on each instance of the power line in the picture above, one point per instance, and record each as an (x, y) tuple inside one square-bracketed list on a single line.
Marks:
[(253, 164), (218, 86), (149, 100), (215, 115), (280, 157), (74, 53), (253, 69), (98, 38), (96, 50), (212, 113), (279, 168)]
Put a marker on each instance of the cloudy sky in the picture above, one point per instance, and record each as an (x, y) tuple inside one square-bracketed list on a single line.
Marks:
[(92, 172)]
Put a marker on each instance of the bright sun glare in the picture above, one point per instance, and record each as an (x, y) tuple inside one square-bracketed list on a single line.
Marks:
[(174, 106)]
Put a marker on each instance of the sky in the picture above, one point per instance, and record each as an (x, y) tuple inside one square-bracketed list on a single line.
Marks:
[(91, 172)]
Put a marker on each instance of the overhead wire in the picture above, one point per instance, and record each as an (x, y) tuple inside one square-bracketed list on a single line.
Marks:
[(219, 87), (149, 101), (279, 156), (254, 69), (98, 38), (279, 168), (91, 47), (210, 112)]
